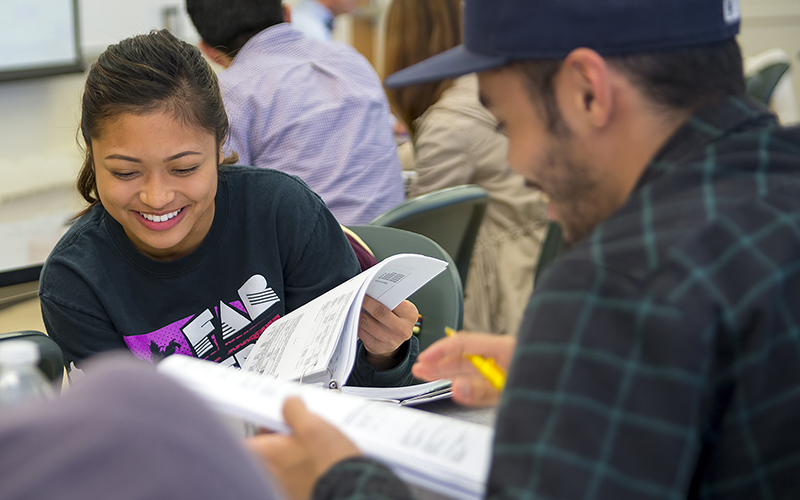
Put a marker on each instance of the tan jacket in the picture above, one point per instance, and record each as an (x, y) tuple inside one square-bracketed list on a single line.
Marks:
[(457, 143)]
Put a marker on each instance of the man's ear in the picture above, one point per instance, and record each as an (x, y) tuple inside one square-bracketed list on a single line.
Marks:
[(586, 88), (287, 13), (215, 55)]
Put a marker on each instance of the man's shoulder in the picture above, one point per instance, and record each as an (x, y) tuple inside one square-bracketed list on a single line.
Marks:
[(288, 73), (693, 223), (87, 229), (285, 47), (86, 241)]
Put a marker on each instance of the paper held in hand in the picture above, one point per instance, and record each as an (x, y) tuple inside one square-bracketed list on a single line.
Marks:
[(317, 342), (435, 452)]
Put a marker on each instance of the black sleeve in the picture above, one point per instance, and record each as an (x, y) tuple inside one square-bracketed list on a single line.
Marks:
[(360, 478), (365, 375), (317, 255), (73, 315)]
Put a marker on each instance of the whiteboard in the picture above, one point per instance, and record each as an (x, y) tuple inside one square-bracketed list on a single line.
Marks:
[(39, 38)]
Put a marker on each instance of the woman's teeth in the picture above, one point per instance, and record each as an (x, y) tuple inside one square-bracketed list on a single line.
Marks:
[(160, 218)]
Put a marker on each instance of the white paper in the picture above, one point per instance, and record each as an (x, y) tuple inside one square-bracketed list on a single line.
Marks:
[(448, 455), (321, 336), (399, 394), (397, 277)]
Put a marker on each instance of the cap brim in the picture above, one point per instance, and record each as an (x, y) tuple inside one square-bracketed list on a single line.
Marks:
[(455, 62)]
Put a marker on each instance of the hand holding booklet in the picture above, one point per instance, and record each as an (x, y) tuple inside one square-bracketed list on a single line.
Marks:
[(435, 452), (316, 343)]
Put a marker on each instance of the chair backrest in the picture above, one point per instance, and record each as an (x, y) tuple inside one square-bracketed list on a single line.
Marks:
[(451, 217), (441, 300), (552, 248), (761, 84), (51, 360)]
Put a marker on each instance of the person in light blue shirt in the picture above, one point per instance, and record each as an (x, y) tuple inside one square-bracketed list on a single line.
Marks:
[(315, 18), (308, 108)]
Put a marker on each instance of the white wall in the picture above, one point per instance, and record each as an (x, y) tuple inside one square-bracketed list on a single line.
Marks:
[(40, 117), (768, 24)]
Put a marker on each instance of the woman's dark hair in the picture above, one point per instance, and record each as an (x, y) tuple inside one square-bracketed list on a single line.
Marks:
[(415, 31), (146, 74)]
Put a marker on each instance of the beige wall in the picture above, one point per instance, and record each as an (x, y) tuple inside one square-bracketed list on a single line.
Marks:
[(40, 117), (768, 24)]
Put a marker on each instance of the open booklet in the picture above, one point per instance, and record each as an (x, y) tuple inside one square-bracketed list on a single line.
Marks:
[(316, 343), (410, 395), (439, 453)]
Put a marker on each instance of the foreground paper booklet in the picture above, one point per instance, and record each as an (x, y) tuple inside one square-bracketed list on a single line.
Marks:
[(316, 343), (439, 453)]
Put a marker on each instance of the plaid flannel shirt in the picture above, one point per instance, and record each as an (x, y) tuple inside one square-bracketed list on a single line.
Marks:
[(660, 357)]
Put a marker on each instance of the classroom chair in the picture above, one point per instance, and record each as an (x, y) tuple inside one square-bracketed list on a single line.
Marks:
[(451, 217), (51, 360), (761, 84), (768, 79), (441, 301)]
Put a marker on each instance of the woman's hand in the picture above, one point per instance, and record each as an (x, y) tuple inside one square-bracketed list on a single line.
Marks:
[(383, 331)]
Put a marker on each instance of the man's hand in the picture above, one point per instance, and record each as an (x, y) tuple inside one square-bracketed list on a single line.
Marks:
[(446, 358), (382, 331), (299, 459)]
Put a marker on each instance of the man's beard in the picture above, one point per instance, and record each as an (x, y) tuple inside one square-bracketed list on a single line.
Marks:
[(576, 189)]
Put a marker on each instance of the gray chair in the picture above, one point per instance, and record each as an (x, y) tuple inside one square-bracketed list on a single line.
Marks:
[(451, 217), (441, 300), (761, 84), (51, 360)]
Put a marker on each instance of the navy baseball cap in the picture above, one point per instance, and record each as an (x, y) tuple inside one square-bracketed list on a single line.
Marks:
[(497, 32)]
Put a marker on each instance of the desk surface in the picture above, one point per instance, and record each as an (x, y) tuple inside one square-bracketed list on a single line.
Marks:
[(483, 416)]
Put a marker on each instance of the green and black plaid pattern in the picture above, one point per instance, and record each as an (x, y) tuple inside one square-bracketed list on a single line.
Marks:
[(660, 358), (360, 479)]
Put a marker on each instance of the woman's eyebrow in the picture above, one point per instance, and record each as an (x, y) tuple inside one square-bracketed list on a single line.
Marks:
[(137, 160), (123, 157), (181, 155)]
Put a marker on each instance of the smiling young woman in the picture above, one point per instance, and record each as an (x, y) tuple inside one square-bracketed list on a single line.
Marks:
[(158, 178), (180, 252)]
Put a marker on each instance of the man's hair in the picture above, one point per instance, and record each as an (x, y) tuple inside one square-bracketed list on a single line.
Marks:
[(227, 25), (685, 79)]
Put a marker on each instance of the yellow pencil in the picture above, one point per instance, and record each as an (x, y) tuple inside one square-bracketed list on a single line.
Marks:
[(487, 367)]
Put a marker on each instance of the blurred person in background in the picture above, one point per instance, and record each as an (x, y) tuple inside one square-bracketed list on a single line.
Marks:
[(316, 18), (305, 107), (457, 141)]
